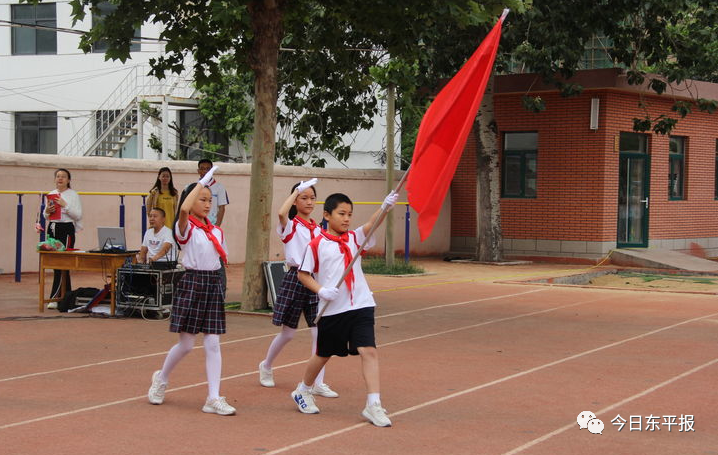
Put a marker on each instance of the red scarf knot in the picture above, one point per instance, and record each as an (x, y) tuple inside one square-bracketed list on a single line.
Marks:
[(207, 228), (343, 241)]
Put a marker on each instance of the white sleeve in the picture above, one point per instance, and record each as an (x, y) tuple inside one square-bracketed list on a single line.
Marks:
[(74, 206), (146, 239), (308, 261), (182, 237), (222, 198), (360, 238), (284, 231)]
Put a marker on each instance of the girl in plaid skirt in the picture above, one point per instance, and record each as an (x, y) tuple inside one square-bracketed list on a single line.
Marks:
[(296, 229), (198, 304)]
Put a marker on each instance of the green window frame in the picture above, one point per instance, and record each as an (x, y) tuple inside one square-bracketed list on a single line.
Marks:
[(30, 40), (676, 168), (519, 165)]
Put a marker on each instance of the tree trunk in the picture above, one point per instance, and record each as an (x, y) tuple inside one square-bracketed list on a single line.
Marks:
[(488, 181), (266, 17)]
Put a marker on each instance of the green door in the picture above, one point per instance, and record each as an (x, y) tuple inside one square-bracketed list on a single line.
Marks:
[(633, 172)]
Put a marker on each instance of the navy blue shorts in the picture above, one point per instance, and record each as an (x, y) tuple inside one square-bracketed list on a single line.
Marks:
[(342, 334), (293, 299), (198, 303)]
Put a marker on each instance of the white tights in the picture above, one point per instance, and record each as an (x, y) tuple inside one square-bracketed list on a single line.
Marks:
[(213, 360), (281, 340)]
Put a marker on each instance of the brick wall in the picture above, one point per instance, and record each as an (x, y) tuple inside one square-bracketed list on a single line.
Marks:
[(577, 184)]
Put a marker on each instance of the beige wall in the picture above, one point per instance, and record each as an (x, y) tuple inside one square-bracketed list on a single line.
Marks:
[(35, 173)]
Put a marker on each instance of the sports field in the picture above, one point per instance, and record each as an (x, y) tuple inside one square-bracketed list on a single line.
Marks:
[(469, 366)]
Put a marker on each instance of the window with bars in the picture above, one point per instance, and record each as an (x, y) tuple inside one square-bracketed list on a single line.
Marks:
[(36, 132), (520, 165), (33, 39)]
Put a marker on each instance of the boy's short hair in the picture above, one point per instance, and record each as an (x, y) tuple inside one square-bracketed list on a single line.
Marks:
[(162, 211), (204, 160), (333, 200)]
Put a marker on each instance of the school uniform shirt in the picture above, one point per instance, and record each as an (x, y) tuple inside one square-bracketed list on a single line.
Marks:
[(324, 259), (199, 252), (72, 212), (296, 235), (154, 242)]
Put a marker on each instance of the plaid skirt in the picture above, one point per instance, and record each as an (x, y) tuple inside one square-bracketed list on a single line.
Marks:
[(293, 299), (198, 303)]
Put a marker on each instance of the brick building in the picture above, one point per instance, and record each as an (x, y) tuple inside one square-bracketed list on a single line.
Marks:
[(577, 181)]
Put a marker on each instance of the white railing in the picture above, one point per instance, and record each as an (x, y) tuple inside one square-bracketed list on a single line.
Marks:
[(136, 85)]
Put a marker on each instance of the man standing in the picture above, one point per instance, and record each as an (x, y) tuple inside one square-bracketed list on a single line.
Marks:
[(216, 213), (219, 194)]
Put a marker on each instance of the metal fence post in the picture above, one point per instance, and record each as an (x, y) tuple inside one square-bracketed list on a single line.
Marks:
[(42, 217), (144, 217), (18, 240), (122, 211), (407, 230)]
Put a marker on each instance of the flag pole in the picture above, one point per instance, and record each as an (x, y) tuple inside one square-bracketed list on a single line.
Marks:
[(376, 224)]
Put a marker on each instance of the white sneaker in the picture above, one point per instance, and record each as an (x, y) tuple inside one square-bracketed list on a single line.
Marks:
[(376, 415), (219, 406), (52, 306), (156, 394), (266, 377), (323, 390), (305, 402)]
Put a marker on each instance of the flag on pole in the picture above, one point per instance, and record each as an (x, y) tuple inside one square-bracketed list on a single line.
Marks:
[(443, 132)]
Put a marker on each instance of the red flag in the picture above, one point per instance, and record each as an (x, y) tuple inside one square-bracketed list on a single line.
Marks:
[(443, 132)]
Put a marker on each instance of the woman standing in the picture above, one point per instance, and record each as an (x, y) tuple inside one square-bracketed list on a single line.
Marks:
[(164, 195), (64, 211)]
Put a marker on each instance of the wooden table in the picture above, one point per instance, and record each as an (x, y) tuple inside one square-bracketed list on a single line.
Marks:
[(106, 263)]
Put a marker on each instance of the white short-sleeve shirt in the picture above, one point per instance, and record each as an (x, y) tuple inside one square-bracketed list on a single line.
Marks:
[(296, 236), (325, 261), (198, 250), (154, 242), (219, 198)]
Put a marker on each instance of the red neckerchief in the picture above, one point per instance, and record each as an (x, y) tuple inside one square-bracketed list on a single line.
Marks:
[(311, 225), (207, 228), (343, 240)]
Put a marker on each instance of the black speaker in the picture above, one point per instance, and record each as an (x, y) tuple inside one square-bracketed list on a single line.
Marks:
[(146, 288)]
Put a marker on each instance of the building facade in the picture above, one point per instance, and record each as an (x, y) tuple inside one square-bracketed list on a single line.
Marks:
[(55, 99), (577, 181)]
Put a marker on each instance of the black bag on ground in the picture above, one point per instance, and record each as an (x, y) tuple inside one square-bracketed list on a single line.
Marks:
[(68, 302)]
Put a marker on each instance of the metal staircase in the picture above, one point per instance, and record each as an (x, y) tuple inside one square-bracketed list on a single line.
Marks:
[(118, 118)]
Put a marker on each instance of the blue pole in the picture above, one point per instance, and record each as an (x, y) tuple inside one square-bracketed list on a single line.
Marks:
[(18, 240), (407, 229), (144, 217), (42, 218), (122, 211)]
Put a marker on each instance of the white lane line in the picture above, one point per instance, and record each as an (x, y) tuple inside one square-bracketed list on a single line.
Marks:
[(241, 340), (491, 383), (613, 406), (90, 408)]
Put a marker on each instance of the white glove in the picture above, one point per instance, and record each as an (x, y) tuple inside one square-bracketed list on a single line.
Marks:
[(308, 184), (328, 294), (389, 201), (204, 181)]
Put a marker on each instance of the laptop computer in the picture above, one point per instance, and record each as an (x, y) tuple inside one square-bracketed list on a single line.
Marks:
[(112, 240)]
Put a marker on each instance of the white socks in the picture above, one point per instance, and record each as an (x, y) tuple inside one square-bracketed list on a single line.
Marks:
[(372, 398), (177, 353), (213, 360), (213, 365), (278, 343), (281, 340)]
